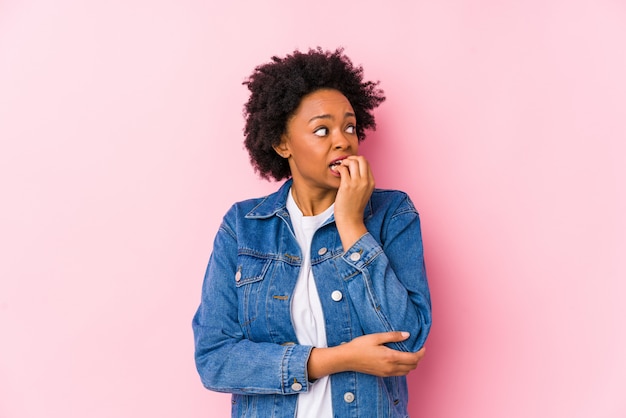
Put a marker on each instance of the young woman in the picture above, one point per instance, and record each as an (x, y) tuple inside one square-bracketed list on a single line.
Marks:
[(315, 302)]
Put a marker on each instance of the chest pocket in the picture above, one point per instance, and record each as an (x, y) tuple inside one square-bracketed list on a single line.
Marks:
[(251, 284)]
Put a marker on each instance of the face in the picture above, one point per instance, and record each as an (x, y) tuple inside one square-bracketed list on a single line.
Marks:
[(321, 132)]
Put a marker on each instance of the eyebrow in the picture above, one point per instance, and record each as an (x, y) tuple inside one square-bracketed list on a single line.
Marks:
[(327, 116)]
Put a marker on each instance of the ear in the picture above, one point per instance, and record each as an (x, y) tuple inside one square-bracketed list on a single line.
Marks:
[(282, 148)]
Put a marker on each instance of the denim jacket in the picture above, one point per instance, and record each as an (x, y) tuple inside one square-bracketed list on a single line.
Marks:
[(245, 342)]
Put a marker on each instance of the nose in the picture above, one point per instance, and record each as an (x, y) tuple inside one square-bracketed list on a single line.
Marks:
[(341, 141)]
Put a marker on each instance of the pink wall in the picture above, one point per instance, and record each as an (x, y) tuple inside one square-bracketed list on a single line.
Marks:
[(120, 130)]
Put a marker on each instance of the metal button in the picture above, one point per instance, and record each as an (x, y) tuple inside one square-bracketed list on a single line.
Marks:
[(322, 251), (238, 276), (336, 295), (355, 256), (296, 386), (348, 397)]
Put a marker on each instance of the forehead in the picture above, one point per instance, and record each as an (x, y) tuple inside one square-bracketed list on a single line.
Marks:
[(325, 101)]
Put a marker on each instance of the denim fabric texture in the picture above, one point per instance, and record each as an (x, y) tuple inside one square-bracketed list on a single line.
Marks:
[(245, 343)]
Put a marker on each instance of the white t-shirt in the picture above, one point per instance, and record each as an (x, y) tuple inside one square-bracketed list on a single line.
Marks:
[(306, 312)]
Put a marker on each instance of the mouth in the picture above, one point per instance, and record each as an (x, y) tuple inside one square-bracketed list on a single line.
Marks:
[(336, 163)]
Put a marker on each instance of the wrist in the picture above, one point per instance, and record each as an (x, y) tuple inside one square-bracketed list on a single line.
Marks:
[(326, 361), (350, 234)]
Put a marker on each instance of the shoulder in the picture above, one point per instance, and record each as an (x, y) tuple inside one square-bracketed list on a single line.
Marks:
[(392, 202), (259, 207), (248, 205), (240, 209)]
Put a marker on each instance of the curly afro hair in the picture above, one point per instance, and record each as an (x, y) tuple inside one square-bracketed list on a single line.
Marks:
[(277, 89)]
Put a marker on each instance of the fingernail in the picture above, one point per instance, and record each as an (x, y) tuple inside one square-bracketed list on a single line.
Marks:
[(405, 334)]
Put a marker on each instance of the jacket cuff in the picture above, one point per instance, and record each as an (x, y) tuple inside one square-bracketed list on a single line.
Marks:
[(359, 256), (294, 369)]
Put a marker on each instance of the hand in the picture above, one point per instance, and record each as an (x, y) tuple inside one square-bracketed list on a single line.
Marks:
[(355, 189), (365, 354), (369, 355)]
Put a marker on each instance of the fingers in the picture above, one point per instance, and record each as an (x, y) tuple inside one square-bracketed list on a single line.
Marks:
[(390, 337), (356, 167), (356, 176), (370, 355), (421, 353), (406, 358)]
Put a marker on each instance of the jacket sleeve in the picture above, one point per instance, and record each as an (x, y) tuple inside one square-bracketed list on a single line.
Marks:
[(226, 361), (386, 278)]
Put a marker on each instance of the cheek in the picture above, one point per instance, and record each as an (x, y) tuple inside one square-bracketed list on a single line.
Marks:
[(355, 144)]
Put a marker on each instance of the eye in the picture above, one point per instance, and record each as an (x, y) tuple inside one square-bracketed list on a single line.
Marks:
[(351, 129), (321, 131)]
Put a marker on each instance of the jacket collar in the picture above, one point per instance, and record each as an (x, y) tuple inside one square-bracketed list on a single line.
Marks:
[(272, 204), (276, 204)]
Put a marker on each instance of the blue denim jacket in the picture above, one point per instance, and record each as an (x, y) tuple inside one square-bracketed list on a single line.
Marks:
[(244, 338)]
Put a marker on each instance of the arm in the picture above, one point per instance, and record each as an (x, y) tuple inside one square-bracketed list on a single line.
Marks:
[(225, 359), (365, 354), (387, 286)]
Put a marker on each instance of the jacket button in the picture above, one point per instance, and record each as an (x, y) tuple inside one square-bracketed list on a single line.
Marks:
[(336, 295), (296, 386), (238, 276), (348, 397), (355, 256), (322, 251)]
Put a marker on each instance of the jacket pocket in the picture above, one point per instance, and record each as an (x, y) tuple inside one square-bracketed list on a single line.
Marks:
[(250, 269), (251, 288)]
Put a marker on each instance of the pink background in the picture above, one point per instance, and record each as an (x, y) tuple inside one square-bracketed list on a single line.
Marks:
[(121, 148)]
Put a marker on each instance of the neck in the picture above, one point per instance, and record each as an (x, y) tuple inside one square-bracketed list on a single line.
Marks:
[(310, 202)]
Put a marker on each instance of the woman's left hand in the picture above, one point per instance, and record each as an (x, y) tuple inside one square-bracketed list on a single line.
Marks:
[(355, 189)]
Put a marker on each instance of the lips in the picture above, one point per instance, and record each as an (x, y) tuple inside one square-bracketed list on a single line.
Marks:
[(336, 163)]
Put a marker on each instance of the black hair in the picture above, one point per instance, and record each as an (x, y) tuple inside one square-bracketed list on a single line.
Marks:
[(276, 89)]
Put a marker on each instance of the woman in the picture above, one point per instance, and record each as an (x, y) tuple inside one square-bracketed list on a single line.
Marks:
[(315, 301)]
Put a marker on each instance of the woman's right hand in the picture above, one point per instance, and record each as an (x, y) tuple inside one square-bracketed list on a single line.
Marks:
[(365, 354)]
